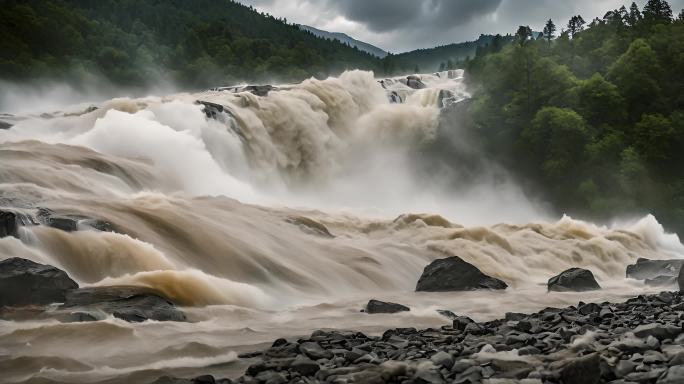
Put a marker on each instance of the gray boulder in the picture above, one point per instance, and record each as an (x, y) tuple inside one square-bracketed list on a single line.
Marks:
[(680, 280), (132, 304), (376, 306), (454, 274), (574, 279), (651, 269), (24, 282)]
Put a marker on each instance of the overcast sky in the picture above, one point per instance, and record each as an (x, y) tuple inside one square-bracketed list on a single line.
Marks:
[(402, 25)]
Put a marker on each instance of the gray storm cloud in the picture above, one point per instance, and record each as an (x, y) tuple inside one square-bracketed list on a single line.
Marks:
[(388, 15), (402, 25)]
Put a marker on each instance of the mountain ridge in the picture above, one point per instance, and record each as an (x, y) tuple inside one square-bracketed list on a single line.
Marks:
[(344, 38)]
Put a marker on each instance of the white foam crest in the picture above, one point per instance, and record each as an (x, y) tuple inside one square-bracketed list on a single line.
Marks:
[(181, 157)]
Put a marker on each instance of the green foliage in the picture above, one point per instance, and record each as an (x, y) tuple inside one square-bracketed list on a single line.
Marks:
[(198, 43), (549, 30), (447, 56), (593, 118)]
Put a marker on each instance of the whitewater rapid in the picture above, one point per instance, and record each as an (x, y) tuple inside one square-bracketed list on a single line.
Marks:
[(223, 213)]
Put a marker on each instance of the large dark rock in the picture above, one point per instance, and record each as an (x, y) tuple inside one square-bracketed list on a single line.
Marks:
[(376, 306), (132, 304), (574, 279), (454, 274), (8, 224), (24, 282), (651, 269), (680, 279)]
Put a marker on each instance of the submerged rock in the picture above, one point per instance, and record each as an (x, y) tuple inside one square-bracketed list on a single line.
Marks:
[(651, 269), (376, 306), (132, 304), (454, 274), (310, 225), (24, 282), (573, 279)]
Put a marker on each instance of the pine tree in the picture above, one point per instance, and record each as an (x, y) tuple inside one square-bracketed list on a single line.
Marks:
[(575, 25), (658, 10), (634, 15), (550, 30), (523, 34), (624, 15)]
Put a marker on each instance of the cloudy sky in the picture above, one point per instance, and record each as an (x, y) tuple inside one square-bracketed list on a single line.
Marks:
[(401, 25)]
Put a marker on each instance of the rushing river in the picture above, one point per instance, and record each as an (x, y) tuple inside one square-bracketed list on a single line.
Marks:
[(221, 206)]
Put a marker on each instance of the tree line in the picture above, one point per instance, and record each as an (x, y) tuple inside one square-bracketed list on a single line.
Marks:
[(195, 43), (592, 118)]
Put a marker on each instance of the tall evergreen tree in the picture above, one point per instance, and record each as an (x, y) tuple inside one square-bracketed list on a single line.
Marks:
[(634, 14), (523, 34), (550, 30), (658, 10), (575, 25), (624, 15)]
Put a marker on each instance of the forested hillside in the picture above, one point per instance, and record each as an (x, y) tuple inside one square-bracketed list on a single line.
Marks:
[(444, 57), (130, 42), (594, 117)]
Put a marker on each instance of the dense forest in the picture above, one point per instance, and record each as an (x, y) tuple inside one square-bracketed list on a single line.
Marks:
[(594, 116), (195, 43), (450, 56)]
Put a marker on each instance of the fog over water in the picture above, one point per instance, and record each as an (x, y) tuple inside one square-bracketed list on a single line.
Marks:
[(223, 215)]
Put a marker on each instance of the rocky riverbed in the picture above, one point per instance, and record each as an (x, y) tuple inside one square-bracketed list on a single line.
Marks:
[(637, 341)]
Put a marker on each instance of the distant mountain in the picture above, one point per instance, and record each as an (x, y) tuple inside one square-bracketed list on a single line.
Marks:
[(434, 59), (368, 48)]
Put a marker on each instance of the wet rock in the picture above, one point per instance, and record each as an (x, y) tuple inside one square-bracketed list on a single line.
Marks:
[(454, 274), (5, 125), (376, 306), (259, 90), (304, 366), (311, 226), (680, 280), (415, 82), (674, 375), (461, 322), (205, 379), (9, 225), (650, 269), (661, 281), (659, 331), (583, 370), (573, 279), (24, 282), (132, 304), (448, 314), (314, 351), (443, 359)]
